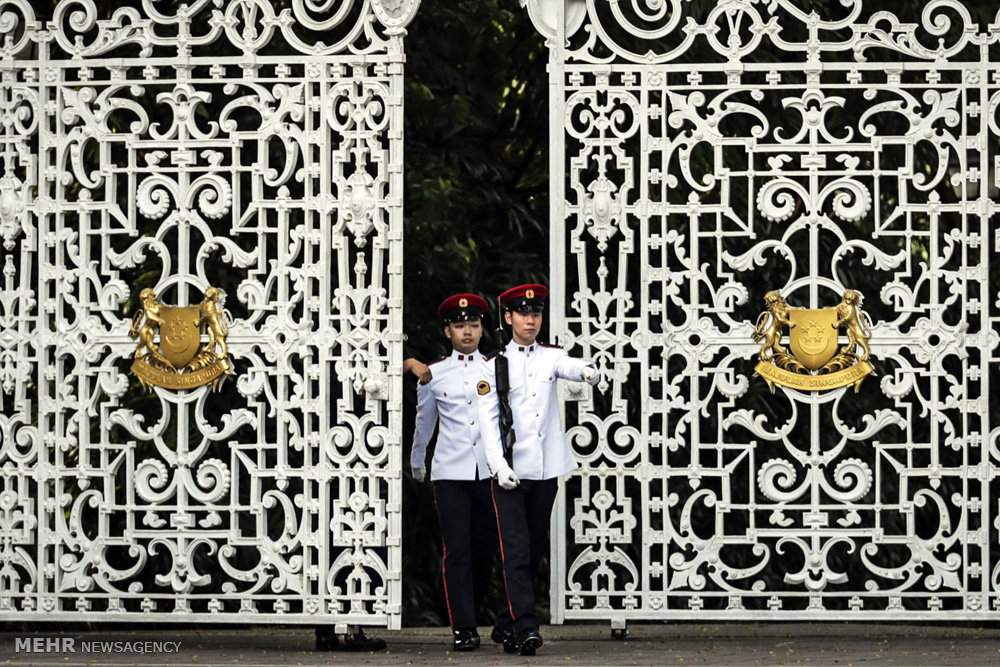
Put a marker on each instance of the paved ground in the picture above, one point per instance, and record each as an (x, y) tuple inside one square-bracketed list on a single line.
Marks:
[(738, 645)]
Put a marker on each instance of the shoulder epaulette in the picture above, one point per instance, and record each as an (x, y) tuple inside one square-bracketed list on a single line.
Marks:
[(558, 347), (438, 361)]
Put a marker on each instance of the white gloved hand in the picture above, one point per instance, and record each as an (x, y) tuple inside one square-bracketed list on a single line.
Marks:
[(506, 478), (591, 376), (419, 474)]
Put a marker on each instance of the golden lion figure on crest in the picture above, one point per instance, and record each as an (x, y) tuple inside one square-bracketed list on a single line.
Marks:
[(814, 361), (858, 324), (178, 360), (144, 325), (767, 332)]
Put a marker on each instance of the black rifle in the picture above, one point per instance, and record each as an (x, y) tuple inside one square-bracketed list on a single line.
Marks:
[(507, 436)]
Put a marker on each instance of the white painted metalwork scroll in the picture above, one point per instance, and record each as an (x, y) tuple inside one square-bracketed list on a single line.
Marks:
[(176, 146), (704, 153)]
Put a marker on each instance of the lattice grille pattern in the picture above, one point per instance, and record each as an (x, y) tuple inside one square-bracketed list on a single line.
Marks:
[(712, 152), (135, 155)]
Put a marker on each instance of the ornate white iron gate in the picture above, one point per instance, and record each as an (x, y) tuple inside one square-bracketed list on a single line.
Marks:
[(703, 154), (176, 147)]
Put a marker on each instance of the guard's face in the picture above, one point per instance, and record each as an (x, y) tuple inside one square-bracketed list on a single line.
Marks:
[(464, 336), (524, 325)]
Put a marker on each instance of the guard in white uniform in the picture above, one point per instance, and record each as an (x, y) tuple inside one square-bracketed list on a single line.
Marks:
[(527, 476), (459, 471)]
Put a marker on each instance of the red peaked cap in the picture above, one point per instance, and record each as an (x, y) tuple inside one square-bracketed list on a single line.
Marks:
[(525, 298), (462, 306)]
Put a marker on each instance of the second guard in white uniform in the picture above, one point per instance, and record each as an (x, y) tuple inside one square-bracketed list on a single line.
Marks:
[(459, 471), (527, 475)]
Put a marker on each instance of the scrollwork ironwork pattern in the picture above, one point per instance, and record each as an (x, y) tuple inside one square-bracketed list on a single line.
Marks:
[(135, 155), (699, 170)]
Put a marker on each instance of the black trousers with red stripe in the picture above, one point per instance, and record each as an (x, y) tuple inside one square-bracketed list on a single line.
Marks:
[(469, 542), (523, 516)]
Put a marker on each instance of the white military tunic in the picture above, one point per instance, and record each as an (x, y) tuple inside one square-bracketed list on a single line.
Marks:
[(449, 401), (540, 447)]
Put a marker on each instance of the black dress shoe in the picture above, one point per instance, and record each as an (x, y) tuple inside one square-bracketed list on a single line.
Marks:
[(466, 639), (328, 640), (500, 636), (505, 637), (529, 642), (357, 641)]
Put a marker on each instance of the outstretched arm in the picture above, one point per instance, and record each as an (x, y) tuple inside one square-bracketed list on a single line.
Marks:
[(568, 368), (419, 369)]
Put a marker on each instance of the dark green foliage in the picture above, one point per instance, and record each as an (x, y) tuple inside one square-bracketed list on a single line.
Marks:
[(476, 207)]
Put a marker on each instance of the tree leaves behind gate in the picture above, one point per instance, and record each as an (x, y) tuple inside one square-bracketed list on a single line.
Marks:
[(476, 211)]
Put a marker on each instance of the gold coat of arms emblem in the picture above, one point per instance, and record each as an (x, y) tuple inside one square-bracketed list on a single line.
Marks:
[(179, 360), (814, 359)]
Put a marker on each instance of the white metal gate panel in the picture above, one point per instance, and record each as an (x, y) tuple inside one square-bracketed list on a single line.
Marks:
[(135, 155), (688, 162)]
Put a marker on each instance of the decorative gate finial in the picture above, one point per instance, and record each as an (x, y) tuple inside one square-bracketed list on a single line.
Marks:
[(545, 13)]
